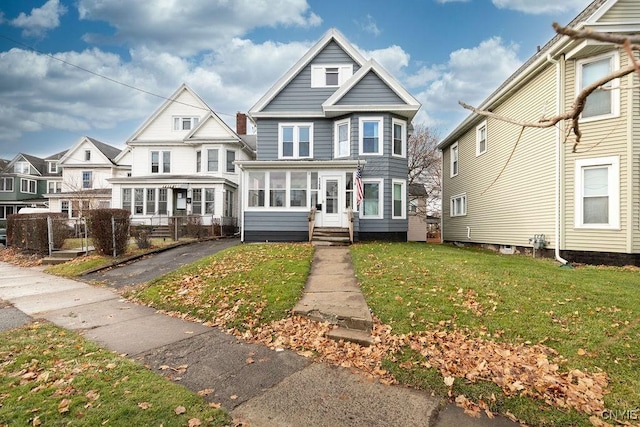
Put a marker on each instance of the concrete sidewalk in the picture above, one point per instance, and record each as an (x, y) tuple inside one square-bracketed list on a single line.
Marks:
[(280, 388)]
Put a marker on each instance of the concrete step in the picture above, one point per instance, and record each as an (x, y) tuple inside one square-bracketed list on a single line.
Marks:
[(363, 338)]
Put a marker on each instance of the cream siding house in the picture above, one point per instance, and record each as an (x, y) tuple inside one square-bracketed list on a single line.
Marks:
[(505, 187), (182, 163), (86, 168)]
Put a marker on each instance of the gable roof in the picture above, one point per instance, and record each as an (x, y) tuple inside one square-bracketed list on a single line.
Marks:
[(183, 88), (595, 10), (37, 163), (56, 156), (410, 105), (108, 151), (331, 35)]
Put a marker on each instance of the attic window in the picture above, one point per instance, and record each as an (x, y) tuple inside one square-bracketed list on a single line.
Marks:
[(87, 155), (21, 167), (185, 123), (53, 167), (330, 75)]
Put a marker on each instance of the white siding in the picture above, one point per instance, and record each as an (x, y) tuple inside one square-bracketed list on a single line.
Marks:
[(622, 11), (72, 177)]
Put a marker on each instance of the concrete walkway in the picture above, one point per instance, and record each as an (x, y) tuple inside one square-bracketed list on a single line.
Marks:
[(280, 388)]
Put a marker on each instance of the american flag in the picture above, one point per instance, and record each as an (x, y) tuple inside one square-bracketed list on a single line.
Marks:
[(359, 188)]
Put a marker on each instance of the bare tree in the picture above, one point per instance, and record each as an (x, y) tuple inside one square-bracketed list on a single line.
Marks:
[(630, 44), (424, 160)]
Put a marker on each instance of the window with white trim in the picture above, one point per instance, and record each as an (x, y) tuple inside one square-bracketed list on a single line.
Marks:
[(601, 103), (481, 138), (399, 138), (87, 179), (162, 201), (399, 192), (256, 186), (87, 155), (228, 203), (372, 203), (277, 189), (453, 158), (330, 75), (196, 201), (126, 199), (150, 206), (28, 185), (53, 167), (138, 201), (54, 187), (370, 136), (209, 201), (342, 138), (458, 205), (160, 161), (21, 167), (198, 161), (185, 123), (6, 184), (212, 160), (231, 157), (295, 140), (64, 207), (298, 183), (597, 198)]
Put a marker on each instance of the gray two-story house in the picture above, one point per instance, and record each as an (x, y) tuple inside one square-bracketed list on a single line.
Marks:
[(331, 150)]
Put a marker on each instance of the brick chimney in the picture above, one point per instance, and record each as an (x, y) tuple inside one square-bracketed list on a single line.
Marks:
[(241, 123)]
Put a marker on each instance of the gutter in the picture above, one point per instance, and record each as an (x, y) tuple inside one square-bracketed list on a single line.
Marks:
[(559, 104)]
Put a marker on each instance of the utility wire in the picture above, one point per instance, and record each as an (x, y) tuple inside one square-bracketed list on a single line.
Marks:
[(107, 77)]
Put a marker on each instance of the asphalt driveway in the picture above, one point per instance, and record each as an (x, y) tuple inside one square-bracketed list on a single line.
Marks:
[(151, 266)]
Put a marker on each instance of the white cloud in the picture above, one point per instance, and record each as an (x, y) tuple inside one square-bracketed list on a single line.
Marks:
[(40, 20), (190, 27), (541, 6), (470, 75), (452, 1), (393, 58), (369, 25)]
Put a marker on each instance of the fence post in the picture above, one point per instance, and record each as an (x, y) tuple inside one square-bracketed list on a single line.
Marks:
[(175, 228), (50, 234), (113, 234), (86, 236)]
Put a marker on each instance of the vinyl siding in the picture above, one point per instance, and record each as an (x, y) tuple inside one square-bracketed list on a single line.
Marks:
[(276, 221), (601, 138), (268, 138), (635, 175), (298, 94), (520, 203), (622, 11), (370, 90)]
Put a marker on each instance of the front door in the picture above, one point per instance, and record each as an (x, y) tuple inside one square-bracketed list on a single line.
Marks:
[(332, 194)]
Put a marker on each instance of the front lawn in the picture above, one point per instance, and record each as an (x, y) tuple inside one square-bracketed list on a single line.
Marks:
[(49, 376), (503, 334), (586, 320)]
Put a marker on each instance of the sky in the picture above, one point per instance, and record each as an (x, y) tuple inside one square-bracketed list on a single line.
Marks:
[(100, 68)]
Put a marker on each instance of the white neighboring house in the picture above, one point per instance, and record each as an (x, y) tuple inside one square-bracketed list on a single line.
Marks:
[(183, 163), (86, 169)]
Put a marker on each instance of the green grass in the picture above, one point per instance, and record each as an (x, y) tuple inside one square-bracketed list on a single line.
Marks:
[(589, 315), (49, 376), (240, 287)]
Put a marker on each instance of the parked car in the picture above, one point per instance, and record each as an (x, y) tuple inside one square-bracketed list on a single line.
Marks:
[(3, 236)]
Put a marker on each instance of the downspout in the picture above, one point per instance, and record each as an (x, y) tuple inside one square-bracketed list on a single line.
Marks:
[(559, 103)]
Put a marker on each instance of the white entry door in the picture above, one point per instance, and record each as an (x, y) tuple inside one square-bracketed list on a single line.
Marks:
[(332, 202)]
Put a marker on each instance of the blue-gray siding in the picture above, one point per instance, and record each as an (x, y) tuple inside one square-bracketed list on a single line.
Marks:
[(370, 90), (276, 221), (298, 94)]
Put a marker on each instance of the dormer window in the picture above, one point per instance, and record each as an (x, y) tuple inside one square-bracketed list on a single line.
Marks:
[(185, 123), (330, 75), (53, 167), (87, 155), (21, 167)]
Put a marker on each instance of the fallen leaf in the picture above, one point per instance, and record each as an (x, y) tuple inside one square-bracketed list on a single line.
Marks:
[(63, 406), (205, 392), (194, 422), (233, 397), (215, 405), (249, 360), (144, 405), (36, 422), (581, 352), (448, 381), (180, 410)]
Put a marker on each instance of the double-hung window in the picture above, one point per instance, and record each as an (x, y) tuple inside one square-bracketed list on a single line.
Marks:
[(160, 161), (196, 201), (54, 187), (597, 198), (212, 160), (458, 205), (87, 155), (605, 102), (126, 199), (198, 161), (277, 189), (231, 157), (53, 167), (399, 138), (150, 207), (209, 201), (28, 185), (298, 189), (256, 186), (6, 184), (370, 139), (295, 141), (481, 138), (87, 179), (399, 199), (342, 138), (372, 203), (453, 153), (21, 167)]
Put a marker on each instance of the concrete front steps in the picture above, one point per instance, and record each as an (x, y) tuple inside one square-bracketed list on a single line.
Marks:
[(62, 256), (333, 295), (330, 236)]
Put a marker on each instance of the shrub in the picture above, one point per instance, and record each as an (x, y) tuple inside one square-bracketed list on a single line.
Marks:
[(102, 231), (30, 232), (142, 235)]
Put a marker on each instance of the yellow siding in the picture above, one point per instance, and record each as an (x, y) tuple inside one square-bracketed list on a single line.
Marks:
[(622, 11), (601, 138), (520, 203), (635, 150)]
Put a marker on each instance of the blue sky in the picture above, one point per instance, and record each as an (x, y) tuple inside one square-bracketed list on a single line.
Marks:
[(231, 52)]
